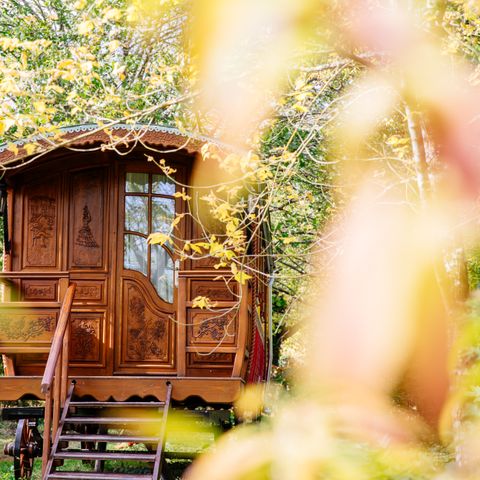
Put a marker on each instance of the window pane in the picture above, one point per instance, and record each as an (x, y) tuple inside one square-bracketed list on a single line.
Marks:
[(136, 214), (135, 254), (161, 184), (137, 183), (162, 273), (163, 213)]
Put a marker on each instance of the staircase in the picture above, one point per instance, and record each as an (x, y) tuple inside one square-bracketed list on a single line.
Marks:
[(87, 428)]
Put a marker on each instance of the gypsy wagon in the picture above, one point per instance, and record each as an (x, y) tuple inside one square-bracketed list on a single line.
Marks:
[(101, 325)]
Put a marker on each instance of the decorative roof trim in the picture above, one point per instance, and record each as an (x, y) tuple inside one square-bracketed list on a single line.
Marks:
[(150, 134)]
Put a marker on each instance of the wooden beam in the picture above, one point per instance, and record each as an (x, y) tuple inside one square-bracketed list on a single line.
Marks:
[(211, 390), (181, 327)]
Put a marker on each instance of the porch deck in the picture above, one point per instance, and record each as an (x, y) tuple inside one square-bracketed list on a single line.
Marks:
[(120, 388)]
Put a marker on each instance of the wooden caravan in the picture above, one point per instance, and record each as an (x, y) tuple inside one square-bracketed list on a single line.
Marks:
[(92, 311)]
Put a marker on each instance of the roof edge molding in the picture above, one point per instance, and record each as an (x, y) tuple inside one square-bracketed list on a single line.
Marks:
[(89, 134)]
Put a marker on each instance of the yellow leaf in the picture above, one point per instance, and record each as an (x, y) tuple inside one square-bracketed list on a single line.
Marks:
[(65, 63), (196, 248), (229, 254), (182, 194), (56, 88), (202, 302), (30, 148), (158, 238), (241, 277), (132, 14), (24, 59), (80, 5), (13, 148), (300, 108), (39, 106), (216, 249), (113, 14), (85, 27), (177, 219), (113, 45)]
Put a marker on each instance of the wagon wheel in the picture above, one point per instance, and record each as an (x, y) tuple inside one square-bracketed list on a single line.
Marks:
[(25, 448)]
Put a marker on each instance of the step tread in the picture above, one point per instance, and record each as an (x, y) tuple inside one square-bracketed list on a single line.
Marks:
[(108, 438), (116, 404), (116, 420), (99, 476), (88, 455)]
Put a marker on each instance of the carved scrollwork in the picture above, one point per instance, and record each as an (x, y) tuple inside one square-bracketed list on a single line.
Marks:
[(214, 328), (25, 327)]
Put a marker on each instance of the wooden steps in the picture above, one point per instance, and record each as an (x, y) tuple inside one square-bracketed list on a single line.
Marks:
[(111, 420), (108, 438), (91, 455), (95, 425), (98, 476)]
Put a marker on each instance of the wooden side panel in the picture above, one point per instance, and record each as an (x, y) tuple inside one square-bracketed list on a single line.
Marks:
[(40, 225), (215, 364), (87, 219), (211, 328), (87, 337), (216, 291), (211, 335), (212, 390), (33, 326), (43, 290), (90, 291)]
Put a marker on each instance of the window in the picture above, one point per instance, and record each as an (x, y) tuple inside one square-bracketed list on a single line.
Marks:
[(149, 207)]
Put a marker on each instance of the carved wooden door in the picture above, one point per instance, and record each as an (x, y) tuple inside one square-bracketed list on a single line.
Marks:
[(145, 317)]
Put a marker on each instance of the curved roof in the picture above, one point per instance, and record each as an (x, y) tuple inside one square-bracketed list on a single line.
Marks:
[(89, 134)]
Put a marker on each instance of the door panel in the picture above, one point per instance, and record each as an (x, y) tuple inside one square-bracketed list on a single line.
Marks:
[(40, 222), (87, 219), (89, 236), (145, 318), (147, 330)]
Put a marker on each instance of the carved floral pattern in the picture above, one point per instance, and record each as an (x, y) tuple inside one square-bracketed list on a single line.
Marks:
[(23, 328), (146, 333), (84, 339), (214, 328)]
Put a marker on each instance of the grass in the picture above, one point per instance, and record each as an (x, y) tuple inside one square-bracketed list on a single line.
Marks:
[(175, 468)]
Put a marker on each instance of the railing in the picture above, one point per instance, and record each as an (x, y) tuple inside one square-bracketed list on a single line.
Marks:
[(55, 378)]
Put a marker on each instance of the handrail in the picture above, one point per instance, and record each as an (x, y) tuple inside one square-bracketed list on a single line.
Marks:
[(57, 341), (56, 375)]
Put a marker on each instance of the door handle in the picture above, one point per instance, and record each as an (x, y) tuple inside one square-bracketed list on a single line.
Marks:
[(177, 268)]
